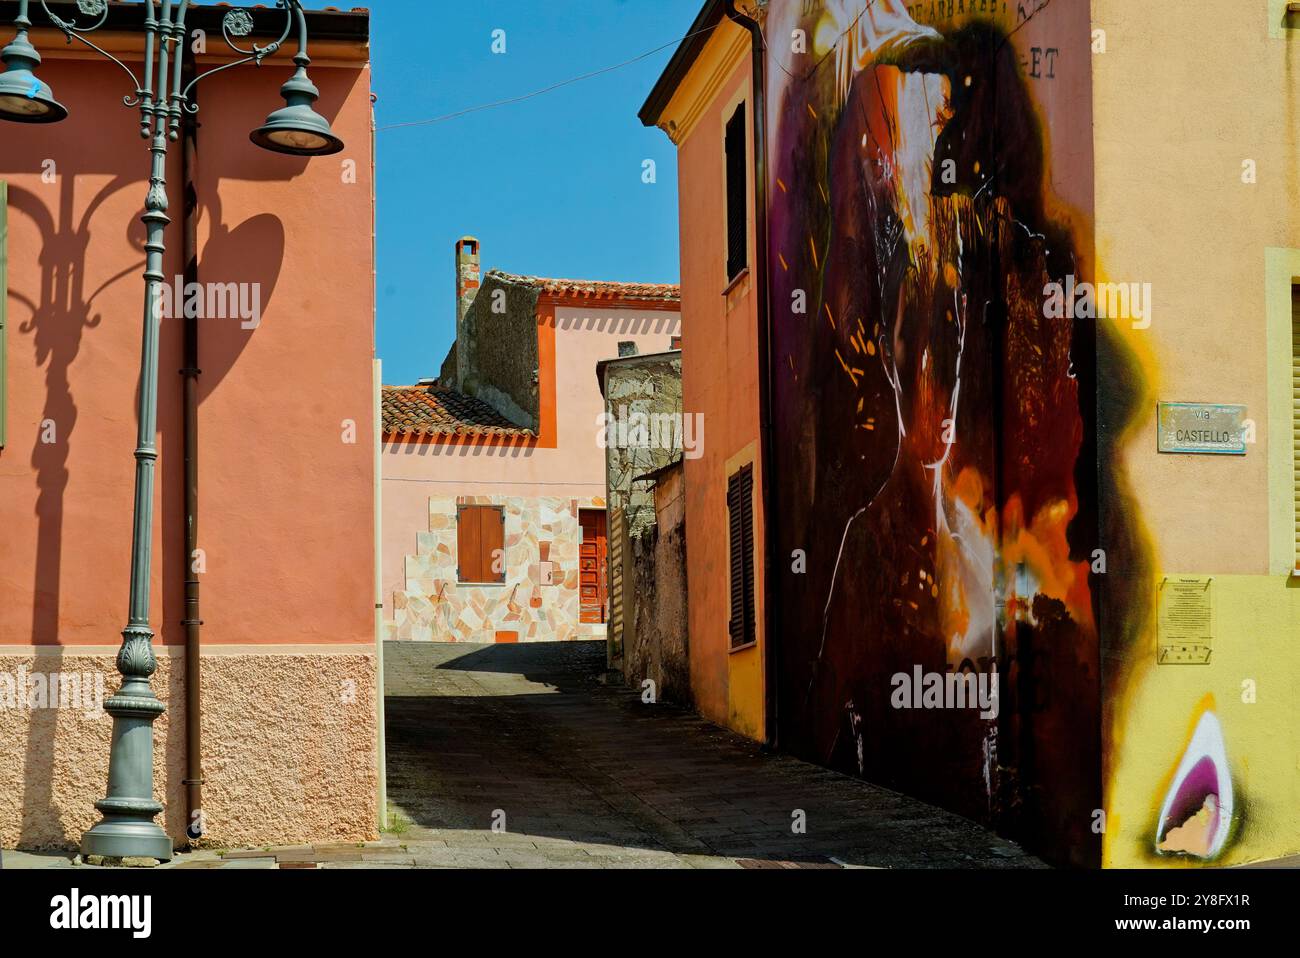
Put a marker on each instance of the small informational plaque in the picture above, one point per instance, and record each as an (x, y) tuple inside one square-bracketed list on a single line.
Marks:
[(1186, 621), (1201, 429)]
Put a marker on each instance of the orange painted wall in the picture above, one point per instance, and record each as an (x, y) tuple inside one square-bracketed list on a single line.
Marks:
[(720, 380), (286, 503)]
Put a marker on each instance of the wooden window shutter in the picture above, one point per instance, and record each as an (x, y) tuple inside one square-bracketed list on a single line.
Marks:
[(492, 534), (4, 312), (747, 519), (617, 532), (480, 535), (468, 568), (740, 508), (1295, 412), (737, 195)]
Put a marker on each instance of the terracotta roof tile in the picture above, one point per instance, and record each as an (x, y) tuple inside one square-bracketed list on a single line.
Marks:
[(442, 411), (594, 288)]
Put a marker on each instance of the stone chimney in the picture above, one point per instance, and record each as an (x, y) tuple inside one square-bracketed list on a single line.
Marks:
[(468, 277)]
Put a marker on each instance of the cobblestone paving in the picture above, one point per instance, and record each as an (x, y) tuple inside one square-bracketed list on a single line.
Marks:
[(580, 774)]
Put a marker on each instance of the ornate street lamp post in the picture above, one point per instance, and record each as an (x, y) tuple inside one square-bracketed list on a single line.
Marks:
[(128, 829)]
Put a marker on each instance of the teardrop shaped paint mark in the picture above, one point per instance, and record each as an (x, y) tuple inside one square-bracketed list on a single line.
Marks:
[(1196, 816)]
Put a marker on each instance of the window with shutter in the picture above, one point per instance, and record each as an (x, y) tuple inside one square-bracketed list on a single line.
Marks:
[(480, 544), (737, 196), (740, 508), (1295, 413)]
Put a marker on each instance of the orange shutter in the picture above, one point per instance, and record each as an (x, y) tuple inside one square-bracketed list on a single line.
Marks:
[(468, 545), (480, 537)]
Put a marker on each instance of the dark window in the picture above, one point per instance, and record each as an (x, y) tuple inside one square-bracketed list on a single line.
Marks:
[(627, 349), (740, 506), (480, 544), (675, 343), (737, 196)]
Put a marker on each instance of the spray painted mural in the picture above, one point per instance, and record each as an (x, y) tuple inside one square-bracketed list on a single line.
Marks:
[(935, 429), (951, 479)]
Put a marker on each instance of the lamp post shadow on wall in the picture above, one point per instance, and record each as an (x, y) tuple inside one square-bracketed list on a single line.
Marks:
[(128, 829)]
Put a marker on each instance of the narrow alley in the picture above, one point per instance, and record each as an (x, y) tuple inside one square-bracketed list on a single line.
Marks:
[(580, 774)]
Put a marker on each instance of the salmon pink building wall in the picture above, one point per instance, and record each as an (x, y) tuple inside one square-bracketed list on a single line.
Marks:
[(565, 461), (285, 458), (720, 370)]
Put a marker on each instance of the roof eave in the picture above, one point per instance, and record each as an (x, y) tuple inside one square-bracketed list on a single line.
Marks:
[(683, 59), (325, 24)]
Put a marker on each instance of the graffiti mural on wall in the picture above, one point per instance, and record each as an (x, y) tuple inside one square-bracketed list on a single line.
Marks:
[(1196, 816), (935, 430)]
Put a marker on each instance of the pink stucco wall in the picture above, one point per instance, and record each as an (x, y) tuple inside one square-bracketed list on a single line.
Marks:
[(286, 517), (415, 471)]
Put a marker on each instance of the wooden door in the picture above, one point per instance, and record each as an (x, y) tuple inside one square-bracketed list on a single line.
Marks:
[(593, 556)]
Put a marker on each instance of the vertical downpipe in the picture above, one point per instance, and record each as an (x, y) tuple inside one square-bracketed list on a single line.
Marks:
[(381, 738), (381, 746), (771, 618), (190, 418)]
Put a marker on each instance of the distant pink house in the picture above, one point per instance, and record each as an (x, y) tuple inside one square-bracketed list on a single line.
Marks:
[(494, 523)]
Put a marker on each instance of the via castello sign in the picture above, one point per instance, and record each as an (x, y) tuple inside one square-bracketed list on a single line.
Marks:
[(1201, 429)]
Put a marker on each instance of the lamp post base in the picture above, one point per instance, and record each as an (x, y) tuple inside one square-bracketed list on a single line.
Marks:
[(128, 829), (120, 837)]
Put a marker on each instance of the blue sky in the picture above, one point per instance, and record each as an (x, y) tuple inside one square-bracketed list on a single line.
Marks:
[(551, 186)]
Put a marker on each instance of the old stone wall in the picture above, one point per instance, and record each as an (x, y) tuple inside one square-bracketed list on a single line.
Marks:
[(657, 644), (643, 407), (497, 357)]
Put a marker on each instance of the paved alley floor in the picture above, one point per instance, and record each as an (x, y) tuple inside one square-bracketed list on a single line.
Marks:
[(519, 756), (580, 774)]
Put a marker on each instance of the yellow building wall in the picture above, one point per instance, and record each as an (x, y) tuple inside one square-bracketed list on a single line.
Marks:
[(1250, 686), (1197, 116)]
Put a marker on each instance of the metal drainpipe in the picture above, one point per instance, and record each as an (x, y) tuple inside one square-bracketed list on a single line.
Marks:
[(770, 594), (381, 732), (190, 417)]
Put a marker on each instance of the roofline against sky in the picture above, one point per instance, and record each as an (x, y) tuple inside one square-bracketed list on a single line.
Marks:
[(687, 53), (330, 24)]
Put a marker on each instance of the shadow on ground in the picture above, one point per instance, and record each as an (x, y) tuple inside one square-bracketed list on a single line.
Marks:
[(529, 737)]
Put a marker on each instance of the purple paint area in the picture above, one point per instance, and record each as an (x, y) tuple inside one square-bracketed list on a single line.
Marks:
[(1199, 783)]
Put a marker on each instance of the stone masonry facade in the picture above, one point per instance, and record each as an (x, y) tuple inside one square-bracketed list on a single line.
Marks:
[(540, 598)]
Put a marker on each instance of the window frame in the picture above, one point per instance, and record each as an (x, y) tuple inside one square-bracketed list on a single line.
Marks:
[(484, 558), (1295, 419), (741, 560), (740, 157)]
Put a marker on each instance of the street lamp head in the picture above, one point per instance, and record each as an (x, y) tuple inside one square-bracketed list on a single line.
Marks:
[(296, 128), (23, 97)]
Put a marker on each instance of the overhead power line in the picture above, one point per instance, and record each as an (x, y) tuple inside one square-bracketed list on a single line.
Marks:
[(610, 69), (536, 93)]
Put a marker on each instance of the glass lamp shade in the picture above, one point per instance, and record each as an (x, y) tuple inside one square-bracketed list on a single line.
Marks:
[(299, 131), (23, 97), (296, 128)]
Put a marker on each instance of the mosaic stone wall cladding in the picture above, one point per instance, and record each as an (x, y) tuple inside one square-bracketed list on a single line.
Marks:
[(542, 539)]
